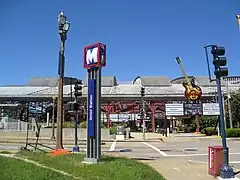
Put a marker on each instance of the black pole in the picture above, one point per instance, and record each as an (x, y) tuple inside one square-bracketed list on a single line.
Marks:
[(75, 111), (226, 171)]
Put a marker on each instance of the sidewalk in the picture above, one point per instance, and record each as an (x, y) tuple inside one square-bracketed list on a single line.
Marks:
[(180, 169), (14, 137)]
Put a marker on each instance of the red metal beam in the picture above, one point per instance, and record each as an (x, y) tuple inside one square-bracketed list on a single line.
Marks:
[(154, 106)]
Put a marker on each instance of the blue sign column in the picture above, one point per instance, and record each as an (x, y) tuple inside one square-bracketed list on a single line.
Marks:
[(94, 60), (91, 108)]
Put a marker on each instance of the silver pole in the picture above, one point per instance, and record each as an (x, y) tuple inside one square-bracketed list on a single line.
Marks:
[(88, 154), (98, 112)]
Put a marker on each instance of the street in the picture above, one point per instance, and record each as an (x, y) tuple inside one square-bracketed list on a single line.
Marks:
[(195, 150), (192, 149)]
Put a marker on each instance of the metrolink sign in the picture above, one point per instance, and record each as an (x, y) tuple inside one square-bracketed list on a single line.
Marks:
[(94, 59), (95, 56)]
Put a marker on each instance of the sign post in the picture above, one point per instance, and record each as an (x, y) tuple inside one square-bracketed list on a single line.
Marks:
[(94, 60)]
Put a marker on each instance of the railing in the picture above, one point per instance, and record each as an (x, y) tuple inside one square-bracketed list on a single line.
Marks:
[(16, 125)]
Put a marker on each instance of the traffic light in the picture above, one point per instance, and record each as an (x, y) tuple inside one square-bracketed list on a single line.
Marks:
[(219, 60), (142, 91), (78, 88)]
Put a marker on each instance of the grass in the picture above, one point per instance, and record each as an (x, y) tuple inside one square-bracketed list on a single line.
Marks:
[(12, 169), (110, 168)]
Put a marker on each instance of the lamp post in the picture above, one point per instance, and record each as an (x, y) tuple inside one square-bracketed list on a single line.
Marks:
[(63, 27), (53, 117), (238, 19)]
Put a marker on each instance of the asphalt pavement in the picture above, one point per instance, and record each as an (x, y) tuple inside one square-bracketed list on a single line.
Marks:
[(177, 150), (194, 150)]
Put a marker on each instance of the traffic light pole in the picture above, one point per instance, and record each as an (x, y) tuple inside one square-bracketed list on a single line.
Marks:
[(76, 147), (143, 118), (77, 93), (226, 170), (219, 61)]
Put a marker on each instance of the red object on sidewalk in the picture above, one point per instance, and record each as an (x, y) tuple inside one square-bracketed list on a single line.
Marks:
[(215, 160)]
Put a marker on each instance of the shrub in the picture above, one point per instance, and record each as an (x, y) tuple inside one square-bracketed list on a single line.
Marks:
[(209, 131), (83, 124), (68, 125), (233, 132), (113, 130), (180, 129)]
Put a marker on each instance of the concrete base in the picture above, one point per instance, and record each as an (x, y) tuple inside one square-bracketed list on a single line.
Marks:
[(229, 178), (90, 161), (120, 137)]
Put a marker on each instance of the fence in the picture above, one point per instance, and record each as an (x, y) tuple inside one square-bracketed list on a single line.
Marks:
[(17, 125)]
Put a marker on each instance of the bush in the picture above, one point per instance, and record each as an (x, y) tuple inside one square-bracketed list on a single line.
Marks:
[(68, 125), (83, 124), (233, 132), (113, 130), (180, 129), (209, 131)]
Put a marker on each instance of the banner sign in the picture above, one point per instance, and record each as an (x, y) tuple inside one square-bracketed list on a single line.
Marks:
[(91, 108), (211, 109), (174, 109), (192, 109)]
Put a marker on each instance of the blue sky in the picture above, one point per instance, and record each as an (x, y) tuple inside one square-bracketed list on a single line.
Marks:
[(142, 36)]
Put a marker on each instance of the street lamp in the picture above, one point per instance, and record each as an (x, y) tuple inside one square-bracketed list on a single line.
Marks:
[(63, 27), (238, 19), (53, 116)]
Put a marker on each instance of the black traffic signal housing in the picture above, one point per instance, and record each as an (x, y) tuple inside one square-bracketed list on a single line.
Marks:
[(78, 86), (76, 106), (219, 61), (142, 91)]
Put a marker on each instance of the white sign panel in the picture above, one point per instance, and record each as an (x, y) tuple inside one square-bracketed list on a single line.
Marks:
[(91, 56), (210, 109), (174, 109)]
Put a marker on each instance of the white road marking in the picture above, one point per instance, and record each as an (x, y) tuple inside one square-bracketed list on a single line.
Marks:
[(155, 149), (112, 148)]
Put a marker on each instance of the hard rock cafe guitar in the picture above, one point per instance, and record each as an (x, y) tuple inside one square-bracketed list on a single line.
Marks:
[(192, 91)]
